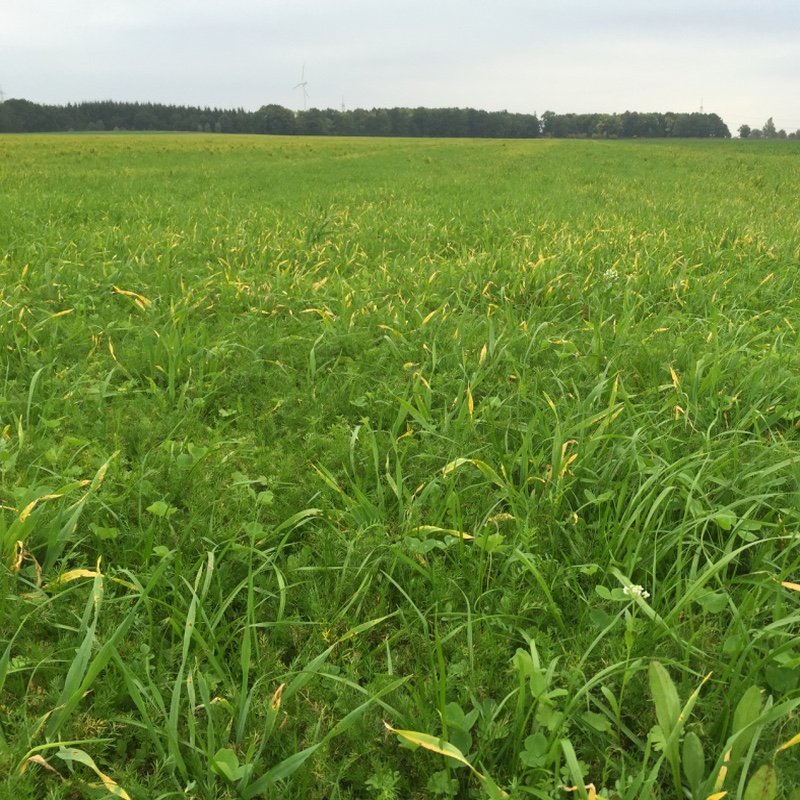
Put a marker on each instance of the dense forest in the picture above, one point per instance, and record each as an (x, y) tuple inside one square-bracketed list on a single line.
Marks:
[(22, 116)]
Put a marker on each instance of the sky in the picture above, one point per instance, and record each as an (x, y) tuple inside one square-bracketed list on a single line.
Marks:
[(736, 58)]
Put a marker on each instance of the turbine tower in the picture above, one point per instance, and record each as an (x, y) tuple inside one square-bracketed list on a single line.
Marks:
[(303, 83)]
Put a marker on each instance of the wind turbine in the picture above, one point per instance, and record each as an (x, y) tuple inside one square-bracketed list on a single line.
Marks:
[(303, 83)]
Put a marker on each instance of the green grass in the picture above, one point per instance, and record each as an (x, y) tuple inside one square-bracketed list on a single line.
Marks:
[(303, 438)]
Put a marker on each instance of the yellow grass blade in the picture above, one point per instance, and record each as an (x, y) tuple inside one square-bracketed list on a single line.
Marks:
[(433, 744), (72, 575), (37, 759), (590, 788), (791, 743), (139, 299), (436, 529), (276, 698), (444, 748), (110, 785)]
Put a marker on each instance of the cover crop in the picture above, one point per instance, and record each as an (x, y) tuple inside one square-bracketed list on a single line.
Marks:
[(365, 468)]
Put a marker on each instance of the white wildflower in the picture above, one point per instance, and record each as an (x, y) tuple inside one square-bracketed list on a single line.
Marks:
[(636, 591), (611, 275)]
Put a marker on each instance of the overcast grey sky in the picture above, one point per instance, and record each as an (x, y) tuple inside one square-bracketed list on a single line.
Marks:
[(738, 59)]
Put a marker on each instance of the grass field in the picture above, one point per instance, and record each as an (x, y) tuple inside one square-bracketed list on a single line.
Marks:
[(398, 469)]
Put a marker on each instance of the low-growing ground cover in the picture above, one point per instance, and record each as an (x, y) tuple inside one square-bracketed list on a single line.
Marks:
[(494, 444)]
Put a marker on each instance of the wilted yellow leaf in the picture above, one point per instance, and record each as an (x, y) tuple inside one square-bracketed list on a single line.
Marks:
[(436, 529), (126, 584), (109, 784), (139, 299), (791, 743), (590, 788), (37, 759), (72, 575), (723, 772), (436, 745)]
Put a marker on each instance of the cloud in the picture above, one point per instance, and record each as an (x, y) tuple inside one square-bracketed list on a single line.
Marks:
[(737, 57)]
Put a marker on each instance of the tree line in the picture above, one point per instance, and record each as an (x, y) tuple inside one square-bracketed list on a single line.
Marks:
[(634, 124), (24, 116), (766, 131)]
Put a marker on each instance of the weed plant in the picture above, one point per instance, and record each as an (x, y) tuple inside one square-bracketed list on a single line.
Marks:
[(398, 469)]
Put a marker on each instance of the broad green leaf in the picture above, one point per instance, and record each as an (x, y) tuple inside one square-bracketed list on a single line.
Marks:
[(781, 679), (197, 452), (226, 764), (694, 764), (600, 619), (747, 711), (725, 519), (763, 785), (598, 722), (161, 509), (104, 533), (254, 529), (456, 718), (665, 696), (442, 783), (535, 752), (713, 602)]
